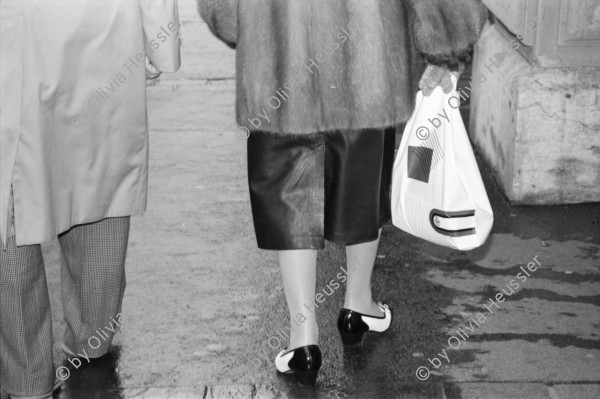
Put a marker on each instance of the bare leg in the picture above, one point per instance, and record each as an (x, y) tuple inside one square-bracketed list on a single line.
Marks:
[(360, 261), (299, 274)]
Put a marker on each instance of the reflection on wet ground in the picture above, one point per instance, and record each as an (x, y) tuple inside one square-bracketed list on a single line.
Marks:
[(383, 366)]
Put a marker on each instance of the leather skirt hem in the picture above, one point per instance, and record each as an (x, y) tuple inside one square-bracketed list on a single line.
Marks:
[(305, 189)]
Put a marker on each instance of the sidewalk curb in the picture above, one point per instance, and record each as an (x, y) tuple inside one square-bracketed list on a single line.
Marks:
[(463, 390)]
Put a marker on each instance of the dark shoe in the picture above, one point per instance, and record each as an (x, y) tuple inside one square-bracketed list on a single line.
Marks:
[(304, 363), (354, 325), (98, 378)]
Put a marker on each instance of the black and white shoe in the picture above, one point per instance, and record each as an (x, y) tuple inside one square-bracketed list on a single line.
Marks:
[(304, 363), (354, 325)]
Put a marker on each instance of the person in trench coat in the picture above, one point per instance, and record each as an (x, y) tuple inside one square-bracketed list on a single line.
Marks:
[(321, 86), (73, 164)]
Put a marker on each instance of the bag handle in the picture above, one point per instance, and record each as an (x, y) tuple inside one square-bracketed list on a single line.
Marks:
[(456, 223)]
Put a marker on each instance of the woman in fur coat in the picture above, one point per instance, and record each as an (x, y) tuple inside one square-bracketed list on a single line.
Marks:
[(321, 86)]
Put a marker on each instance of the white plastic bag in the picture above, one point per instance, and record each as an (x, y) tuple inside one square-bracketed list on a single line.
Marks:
[(437, 190)]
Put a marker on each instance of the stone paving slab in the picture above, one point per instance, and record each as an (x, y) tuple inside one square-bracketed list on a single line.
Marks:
[(468, 390), (230, 391), (575, 391), (502, 391), (166, 393), (523, 361)]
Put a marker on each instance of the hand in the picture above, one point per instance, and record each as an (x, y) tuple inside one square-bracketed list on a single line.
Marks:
[(152, 74), (435, 76)]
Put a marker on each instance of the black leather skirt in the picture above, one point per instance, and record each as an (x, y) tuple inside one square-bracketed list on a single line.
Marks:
[(334, 186)]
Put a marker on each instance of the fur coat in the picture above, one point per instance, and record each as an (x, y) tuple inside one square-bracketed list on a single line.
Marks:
[(312, 65)]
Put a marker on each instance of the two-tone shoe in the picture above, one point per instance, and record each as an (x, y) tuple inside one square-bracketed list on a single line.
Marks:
[(304, 363), (353, 325)]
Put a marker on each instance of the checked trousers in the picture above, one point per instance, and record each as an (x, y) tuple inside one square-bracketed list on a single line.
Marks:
[(92, 287)]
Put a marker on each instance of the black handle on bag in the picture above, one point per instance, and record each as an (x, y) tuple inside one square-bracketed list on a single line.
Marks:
[(451, 215)]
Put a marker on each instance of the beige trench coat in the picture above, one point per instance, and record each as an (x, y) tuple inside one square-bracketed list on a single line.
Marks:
[(73, 125)]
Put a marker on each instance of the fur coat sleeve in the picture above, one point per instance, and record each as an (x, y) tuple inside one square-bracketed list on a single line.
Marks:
[(221, 18), (444, 31)]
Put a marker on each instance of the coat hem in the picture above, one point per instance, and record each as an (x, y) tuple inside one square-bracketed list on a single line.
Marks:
[(48, 238), (307, 130)]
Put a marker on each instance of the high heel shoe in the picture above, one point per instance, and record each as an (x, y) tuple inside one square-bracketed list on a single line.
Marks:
[(304, 363), (354, 325)]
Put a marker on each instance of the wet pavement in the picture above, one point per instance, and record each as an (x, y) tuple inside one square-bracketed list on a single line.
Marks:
[(204, 311)]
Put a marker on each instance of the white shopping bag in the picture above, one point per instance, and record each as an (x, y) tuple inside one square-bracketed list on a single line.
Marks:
[(437, 191)]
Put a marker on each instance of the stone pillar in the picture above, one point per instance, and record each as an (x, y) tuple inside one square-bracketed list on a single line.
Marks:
[(535, 106)]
